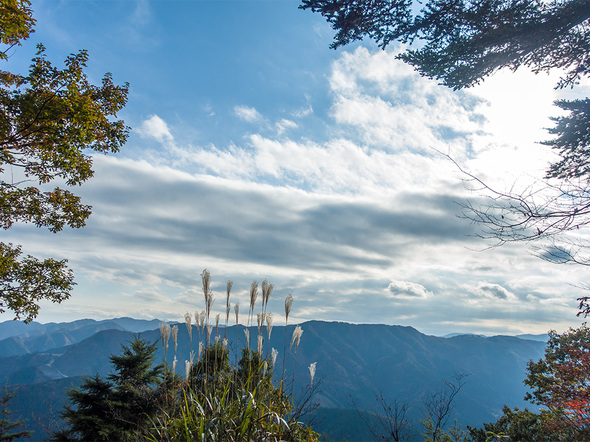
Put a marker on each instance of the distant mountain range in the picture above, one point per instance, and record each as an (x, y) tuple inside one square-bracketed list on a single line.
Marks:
[(353, 362), (542, 337)]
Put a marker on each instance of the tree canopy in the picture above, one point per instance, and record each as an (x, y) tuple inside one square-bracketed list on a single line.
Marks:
[(560, 380), (559, 385), (49, 119), (463, 41)]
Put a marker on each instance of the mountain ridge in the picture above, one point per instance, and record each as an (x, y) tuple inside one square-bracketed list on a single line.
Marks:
[(354, 362)]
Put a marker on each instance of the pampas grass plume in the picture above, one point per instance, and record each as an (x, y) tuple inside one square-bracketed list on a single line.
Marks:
[(260, 343), (188, 322), (296, 336), (253, 294), (288, 305), (269, 319), (312, 371)]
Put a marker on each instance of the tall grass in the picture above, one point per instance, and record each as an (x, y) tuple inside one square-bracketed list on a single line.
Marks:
[(221, 401)]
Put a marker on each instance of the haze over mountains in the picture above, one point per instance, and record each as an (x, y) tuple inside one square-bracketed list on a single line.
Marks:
[(353, 362)]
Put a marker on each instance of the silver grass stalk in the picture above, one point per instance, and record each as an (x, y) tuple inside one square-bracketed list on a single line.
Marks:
[(259, 321), (174, 365), (201, 347), (198, 321), (192, 356), (296, 336), (253, 294), (187, 369), (312, 371), (267, 289), (206, 280), (210, 300), (269, 319), (217, 338), (175, 336), (209, 330), (264, 368), (237, 311), (188, 322), (260, 343), (224, 343), (274, 354), (203, 315), (288, 305), (198, 324), (247, 333), (217, 318), (227, 304), (165, 334)]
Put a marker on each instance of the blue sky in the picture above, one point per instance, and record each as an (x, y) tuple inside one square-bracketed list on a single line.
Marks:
[(258, 152)]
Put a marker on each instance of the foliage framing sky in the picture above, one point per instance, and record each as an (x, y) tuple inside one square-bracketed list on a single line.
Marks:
[(258, 152)]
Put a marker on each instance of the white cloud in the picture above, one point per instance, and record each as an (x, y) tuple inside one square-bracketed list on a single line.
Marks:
[(303, 112), (284, 124), (405, 289), (394, 108), (494, 291), (246, 113), (156, 128)]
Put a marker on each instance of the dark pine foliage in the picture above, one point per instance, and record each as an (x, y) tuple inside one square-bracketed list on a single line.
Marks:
[(118, 408)]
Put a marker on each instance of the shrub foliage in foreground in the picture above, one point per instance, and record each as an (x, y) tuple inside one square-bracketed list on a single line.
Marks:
[(560, 384)]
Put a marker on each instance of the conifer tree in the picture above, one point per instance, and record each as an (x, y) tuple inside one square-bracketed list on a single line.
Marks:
[(118, 408), (7, 426)]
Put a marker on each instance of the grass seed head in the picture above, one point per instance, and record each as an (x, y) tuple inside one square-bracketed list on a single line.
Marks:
[(296, 336), (202, 316), (175, 336), (260, 321), (230, 284), (253, 294), (187, 369), (267, 289), (165, 331), (260, 343), (269, 319), (312, 371), (288, 305), (209, 330), (206, 281), (188, 321)]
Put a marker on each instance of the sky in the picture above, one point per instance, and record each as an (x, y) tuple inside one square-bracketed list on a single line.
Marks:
[(257, 152)]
